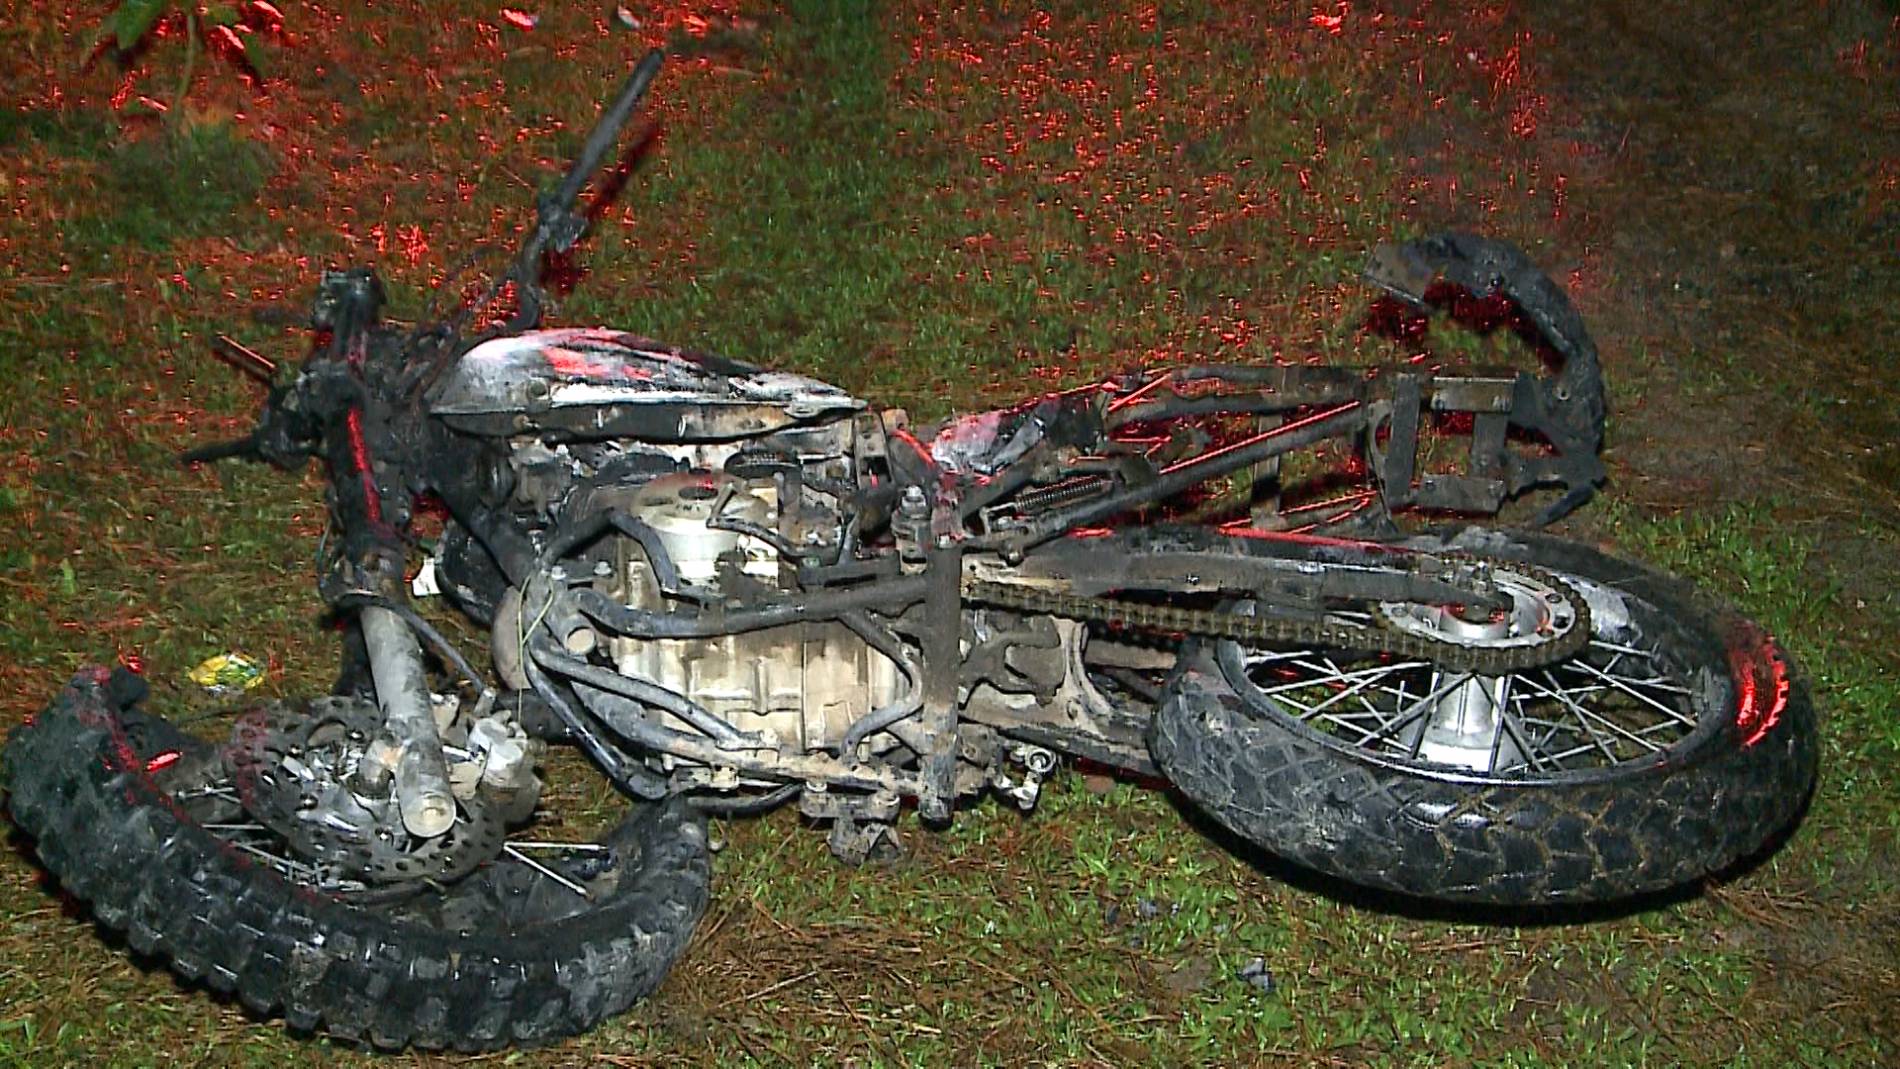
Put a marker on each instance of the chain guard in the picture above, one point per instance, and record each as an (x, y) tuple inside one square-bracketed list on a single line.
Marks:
[(293, 768)]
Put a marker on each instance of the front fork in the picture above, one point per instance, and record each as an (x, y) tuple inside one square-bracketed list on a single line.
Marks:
[(371, 508), (402, 693)]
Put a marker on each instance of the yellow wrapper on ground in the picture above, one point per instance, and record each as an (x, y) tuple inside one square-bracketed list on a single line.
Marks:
[(227, 672)]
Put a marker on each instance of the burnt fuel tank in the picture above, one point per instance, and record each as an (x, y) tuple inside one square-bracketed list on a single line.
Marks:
[(596, 383)]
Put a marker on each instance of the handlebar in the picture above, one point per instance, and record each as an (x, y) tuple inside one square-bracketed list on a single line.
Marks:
[(557, 226), (606, 131)]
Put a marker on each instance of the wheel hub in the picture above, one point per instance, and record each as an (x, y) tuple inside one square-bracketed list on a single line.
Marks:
[(1465, 725)]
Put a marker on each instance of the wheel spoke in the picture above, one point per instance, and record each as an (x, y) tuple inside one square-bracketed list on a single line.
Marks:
[(1365, 736), (545, 871), (1634, 693), (1551, 727), (1614, 647), (1423, 706), (1558, 758), (1616, 701), (1256, 658), (1335, 674), (283, 865), (581, 848), (1593, 739), (1340, 695), (1374, 706), (1508, 724), (224, 792), (1650, 683), (1586, 716)]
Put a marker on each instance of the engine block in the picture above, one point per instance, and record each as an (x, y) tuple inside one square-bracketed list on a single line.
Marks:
[(805, 682)]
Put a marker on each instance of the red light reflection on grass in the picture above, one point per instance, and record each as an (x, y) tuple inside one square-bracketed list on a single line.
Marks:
[(1333, 22)]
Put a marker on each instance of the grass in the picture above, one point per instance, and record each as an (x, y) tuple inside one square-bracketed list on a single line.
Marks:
[(940, 206), (183, 181)]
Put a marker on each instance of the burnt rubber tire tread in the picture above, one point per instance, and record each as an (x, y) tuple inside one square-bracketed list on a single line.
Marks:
[(1454, 837), (111, 836)]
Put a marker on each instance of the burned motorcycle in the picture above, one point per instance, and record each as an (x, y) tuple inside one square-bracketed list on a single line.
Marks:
[(733, 589)]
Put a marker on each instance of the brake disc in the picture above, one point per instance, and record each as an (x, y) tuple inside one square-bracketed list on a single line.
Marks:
[(300, 771)]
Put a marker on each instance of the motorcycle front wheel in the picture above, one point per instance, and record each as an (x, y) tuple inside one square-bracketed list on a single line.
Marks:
[(146, 824), (1678, 740)]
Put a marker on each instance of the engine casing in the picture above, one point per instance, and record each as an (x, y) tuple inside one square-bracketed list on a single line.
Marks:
[(804, 683)]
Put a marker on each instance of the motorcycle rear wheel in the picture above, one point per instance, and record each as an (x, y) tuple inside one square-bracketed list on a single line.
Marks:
[(498, 958), (1679, 741)]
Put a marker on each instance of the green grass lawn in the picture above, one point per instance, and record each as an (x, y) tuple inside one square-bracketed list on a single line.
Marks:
[(940, 206)]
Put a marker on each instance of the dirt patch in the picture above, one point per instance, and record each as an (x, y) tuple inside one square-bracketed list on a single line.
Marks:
[(1672, 446), (1748, 233), (1826, 960)]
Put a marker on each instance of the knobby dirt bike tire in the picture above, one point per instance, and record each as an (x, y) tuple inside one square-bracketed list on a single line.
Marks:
[(1376, 819), (106, 829)]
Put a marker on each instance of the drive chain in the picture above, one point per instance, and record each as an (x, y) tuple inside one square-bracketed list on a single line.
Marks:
[(1323, 633)]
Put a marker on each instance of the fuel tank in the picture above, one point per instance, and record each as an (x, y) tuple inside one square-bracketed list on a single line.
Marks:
[(592, 382)]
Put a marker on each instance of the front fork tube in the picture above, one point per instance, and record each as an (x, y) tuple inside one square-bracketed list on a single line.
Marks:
[(371, 507), (421, 772), (942, 650)]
